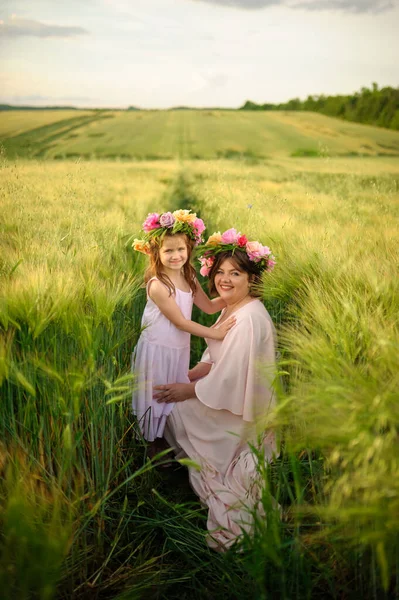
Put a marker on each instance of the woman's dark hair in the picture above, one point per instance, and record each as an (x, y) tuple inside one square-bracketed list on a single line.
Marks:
[(242, 262)]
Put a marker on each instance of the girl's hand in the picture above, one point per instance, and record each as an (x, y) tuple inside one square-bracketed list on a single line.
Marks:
[(224, 328), (174, 392)]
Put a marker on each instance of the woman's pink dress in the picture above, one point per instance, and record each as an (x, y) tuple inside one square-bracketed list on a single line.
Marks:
[(162, 355), (215, 429)]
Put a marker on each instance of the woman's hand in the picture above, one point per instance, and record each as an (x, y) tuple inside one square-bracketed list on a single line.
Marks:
[(174, 392)]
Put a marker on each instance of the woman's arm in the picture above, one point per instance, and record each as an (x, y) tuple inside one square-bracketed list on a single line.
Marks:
[(200, 370), (168, 307), (205, 304)]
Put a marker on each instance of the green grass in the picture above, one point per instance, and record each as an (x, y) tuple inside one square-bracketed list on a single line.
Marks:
[(147, 135), (82, 513), (335, 297), (13, 123)]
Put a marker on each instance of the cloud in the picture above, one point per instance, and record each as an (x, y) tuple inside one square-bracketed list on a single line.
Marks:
[(16, 27), (40, 101), (246, 4), (351, 6), (217, 79), (207, 79), (37, 98)]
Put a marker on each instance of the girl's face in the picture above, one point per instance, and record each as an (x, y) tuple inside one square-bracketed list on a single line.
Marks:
[(173, 253), (232, 284)]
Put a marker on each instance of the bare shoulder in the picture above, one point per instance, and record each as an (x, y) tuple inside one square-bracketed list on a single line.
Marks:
[(157, 290)]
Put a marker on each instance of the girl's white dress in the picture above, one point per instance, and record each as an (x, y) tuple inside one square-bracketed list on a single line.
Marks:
[(162, 356)]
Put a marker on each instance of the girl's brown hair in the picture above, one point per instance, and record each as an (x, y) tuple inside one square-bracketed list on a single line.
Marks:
[(155, 267), (242, 262)]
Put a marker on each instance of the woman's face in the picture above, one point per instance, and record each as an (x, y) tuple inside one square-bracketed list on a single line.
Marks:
[(232, 284)]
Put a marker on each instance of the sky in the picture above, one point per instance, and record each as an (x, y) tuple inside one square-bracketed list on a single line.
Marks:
[(164, 53)]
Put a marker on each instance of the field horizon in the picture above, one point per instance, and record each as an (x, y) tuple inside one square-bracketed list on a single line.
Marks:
[(188, 134)]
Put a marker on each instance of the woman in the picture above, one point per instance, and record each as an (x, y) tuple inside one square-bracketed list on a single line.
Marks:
[(224, 409)]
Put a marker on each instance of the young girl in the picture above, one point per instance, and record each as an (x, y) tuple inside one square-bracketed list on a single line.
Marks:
[(162, 353)]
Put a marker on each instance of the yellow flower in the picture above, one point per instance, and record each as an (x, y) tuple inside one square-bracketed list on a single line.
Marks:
[(141, 246), (214, 239), (184, 216)]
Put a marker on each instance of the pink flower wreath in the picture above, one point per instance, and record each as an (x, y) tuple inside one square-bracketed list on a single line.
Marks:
[(180, 221), (233, 240)]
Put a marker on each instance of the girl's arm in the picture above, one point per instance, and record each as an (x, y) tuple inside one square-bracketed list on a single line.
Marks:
[(200, 370), (205, 304), (168, 307)]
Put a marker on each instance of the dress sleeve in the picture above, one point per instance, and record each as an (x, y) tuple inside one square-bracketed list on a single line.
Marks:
[(206, 357), (241, 379)]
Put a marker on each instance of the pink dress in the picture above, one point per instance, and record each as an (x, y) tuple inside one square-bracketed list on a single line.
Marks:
[(162, 355), (216, 429)]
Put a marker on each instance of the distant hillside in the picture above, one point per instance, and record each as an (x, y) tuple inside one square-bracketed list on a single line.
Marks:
[(371, 106), (10, 107), (252, 136)]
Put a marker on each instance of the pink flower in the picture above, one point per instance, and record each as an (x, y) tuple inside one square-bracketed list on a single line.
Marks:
[(167, 220), (254, 251), (230, 236), (270, 264), (151, 222), (206, 265), (242, 241), (199, 225)]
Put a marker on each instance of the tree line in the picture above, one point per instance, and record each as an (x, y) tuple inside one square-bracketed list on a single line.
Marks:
[(371, 105)]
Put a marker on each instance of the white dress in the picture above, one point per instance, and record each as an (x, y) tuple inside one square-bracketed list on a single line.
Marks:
[(162, 356)]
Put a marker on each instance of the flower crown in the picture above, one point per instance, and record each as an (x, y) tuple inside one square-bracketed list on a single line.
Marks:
[(233, 240), (180, 221)]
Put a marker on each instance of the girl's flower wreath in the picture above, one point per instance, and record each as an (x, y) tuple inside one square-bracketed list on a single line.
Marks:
[(180, 221), (233, 240)]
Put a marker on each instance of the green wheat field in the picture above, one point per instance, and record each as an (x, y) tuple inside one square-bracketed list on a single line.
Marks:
[(83, 512)]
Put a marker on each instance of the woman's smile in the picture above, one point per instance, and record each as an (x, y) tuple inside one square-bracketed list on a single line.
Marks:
[(231, 283)]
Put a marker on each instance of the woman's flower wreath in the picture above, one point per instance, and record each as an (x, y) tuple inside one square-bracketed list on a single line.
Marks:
[(233, 240), (180, 221)]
